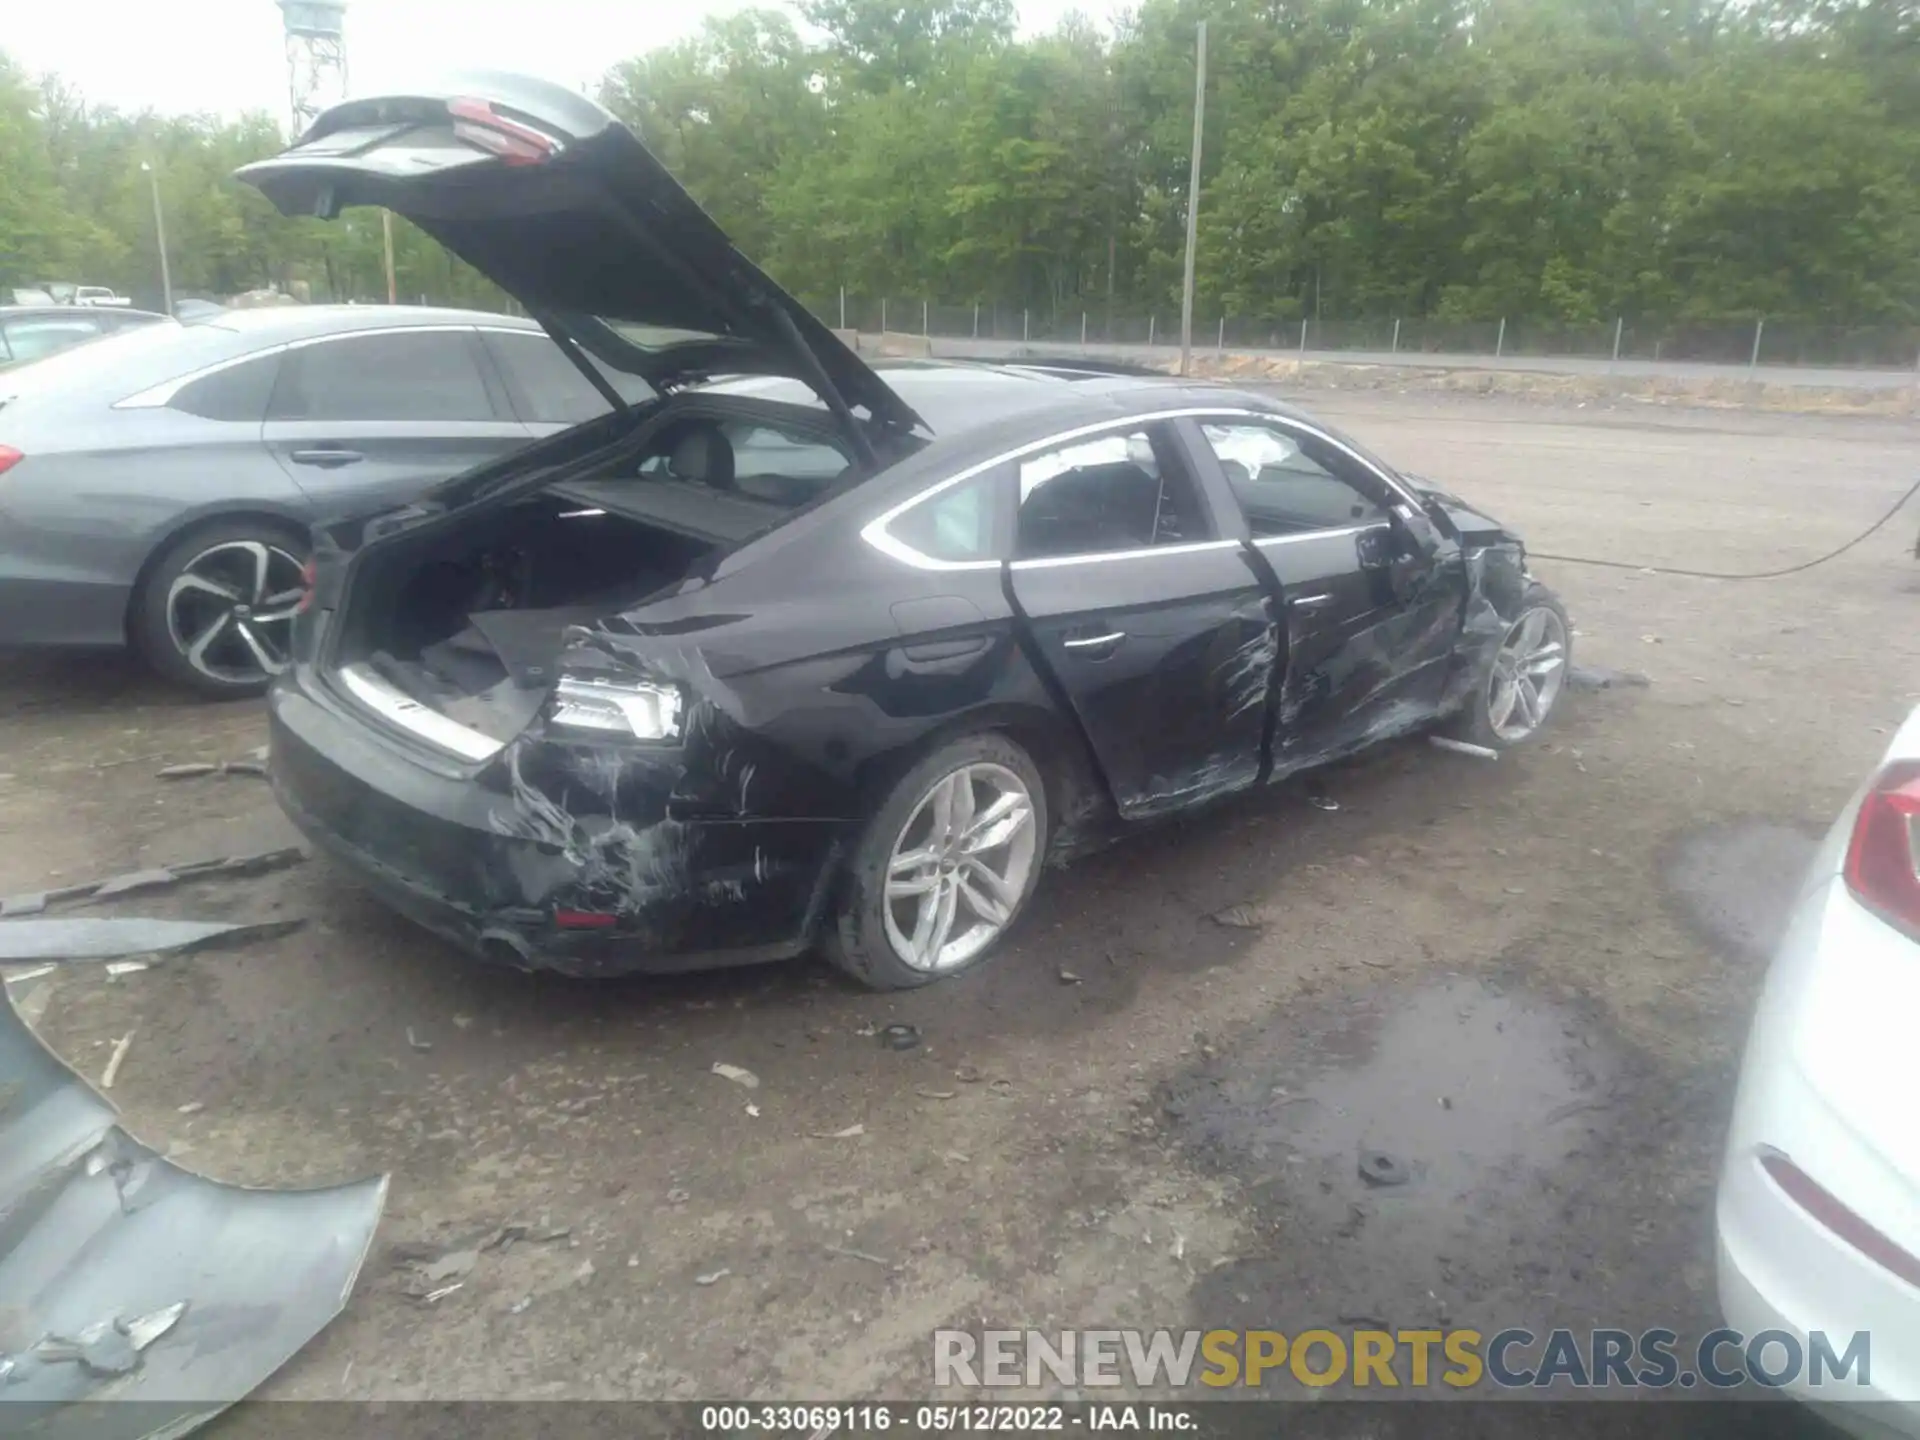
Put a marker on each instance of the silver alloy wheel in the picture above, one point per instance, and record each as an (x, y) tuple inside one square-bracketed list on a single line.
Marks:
[(230, 610), (1527, 674), (959, 867)]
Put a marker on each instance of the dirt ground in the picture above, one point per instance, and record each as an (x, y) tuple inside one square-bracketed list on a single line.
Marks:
[(1529, 979)]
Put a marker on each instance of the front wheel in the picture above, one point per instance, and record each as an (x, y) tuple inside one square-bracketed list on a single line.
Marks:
[(1514, 698), (945, 866), (216, 612)]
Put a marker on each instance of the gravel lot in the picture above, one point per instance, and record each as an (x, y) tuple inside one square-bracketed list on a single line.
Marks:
[(1528, 978)]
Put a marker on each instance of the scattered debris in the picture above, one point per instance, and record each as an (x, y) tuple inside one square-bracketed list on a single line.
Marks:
[(192, 1107), (927, 1093), (967, 1074), (678, 1197), (847, 1134), (753, 1111), (434, 1297), (547, 1237), (503, 1238), (86, 1198), (712, 1277), (1463, 747), (110, 939), (1240, 917), (1323, 802), (899, 1037), (20, 977), (194, 770), (519, 1307), (452, 1266), (1067, 977), (1594, 677), (156, 878), (956, 1157), (1378, 1168), (462, 1022), (416, 1042), (117, 968), (884, 1264), (113, 1063), (736, 1074), (1179, 1246), (583, 1271)]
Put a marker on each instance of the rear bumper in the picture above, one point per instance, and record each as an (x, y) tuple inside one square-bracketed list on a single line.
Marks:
[(1824, 1083), (488, 864)]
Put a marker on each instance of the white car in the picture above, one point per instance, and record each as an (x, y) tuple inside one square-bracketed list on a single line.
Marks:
[(1818, 1216)]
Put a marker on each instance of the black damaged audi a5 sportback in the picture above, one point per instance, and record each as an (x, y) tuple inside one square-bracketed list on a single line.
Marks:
[(802, 652)]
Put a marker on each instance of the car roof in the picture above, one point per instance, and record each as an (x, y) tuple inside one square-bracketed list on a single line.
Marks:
[(293, 322), (57, 312)]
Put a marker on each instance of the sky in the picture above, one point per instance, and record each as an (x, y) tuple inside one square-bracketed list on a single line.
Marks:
[(227, 56)]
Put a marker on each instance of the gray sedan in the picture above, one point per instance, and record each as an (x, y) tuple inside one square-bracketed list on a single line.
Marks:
[(157, 487)]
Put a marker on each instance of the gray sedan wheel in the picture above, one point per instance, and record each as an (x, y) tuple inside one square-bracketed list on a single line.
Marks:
[(217, 610)]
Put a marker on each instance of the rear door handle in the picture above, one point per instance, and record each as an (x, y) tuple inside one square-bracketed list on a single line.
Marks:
[(327, 459), (1311, 602), (1095, 647)]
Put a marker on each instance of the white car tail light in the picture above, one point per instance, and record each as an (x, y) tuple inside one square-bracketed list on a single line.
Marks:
[(1882, 868)]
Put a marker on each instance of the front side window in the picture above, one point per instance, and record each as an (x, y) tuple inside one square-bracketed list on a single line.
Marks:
[(1284, 489), (414, 375), (1124, 491), (547, 387)]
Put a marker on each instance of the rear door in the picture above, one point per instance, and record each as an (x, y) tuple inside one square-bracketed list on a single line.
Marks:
[(1372, 619), (1159, 630), (373, 418)]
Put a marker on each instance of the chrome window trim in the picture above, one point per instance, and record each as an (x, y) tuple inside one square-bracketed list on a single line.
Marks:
[(410, 715), (156, 397), (1330, 534), (1044, 562), (875, 533)]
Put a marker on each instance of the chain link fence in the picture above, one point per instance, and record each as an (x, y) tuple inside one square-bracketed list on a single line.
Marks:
[(1750, 343)]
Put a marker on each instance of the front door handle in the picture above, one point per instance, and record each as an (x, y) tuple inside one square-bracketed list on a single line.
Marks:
[(1311, 602), (327, 459), (1095, 647)]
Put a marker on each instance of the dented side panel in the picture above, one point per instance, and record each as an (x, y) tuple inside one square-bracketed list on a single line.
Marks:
[(1167, 661)]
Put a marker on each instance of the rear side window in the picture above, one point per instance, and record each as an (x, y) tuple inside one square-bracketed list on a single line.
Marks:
[(430, 375), (239, 392), (546, 387), (1124, 491), (961, 523)]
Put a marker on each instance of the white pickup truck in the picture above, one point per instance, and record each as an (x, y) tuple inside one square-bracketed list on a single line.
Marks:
[(98, 295)]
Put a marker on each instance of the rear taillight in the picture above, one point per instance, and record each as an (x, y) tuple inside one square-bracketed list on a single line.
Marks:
[(1823, 1206), (308, 573), (476, 122), (1881, 868), (9, 457)]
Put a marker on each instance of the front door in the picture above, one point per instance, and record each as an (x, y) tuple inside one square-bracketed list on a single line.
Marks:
[(1159, 632), (364, 421), (1372, 617)]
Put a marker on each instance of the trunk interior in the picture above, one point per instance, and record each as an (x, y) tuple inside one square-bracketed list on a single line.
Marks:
[(470, 624)]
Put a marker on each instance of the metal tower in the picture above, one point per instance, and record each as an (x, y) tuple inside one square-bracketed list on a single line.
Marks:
[(316, 57)]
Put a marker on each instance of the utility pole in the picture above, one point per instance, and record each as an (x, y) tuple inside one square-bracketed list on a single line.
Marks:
[(160, 237), (386, 240), (1193, 199)]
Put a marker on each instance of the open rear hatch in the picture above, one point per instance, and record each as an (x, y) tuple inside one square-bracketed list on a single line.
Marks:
[(453, 632)]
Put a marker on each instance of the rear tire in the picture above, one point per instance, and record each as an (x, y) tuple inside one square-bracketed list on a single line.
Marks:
[(961, 835), (215, 612), (1515, 695)]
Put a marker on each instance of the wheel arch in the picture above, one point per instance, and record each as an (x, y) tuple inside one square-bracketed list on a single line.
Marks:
[(191, 523)]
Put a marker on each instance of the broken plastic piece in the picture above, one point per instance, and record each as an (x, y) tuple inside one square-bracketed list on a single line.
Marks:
[(899, 1037), (1378, 1168), (96, 939), (134, 1269), (736, 1074), (157, 879), (1462, 747)]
